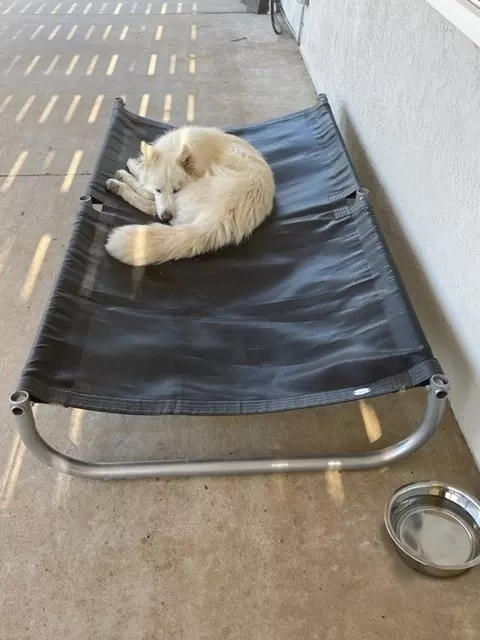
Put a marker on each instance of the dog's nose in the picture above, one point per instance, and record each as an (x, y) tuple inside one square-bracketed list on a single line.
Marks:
[(166, 217)]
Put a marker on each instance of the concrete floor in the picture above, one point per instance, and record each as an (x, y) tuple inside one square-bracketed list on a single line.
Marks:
[(263, 558)]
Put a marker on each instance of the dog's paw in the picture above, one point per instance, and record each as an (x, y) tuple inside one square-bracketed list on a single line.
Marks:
[(129, 245), (133, 166), (113, 185), (121, 175)]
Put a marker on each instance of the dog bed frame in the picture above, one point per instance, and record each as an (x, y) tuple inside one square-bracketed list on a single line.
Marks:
[(309, 311)]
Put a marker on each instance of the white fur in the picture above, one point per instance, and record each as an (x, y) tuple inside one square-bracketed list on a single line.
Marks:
[(216, 187)]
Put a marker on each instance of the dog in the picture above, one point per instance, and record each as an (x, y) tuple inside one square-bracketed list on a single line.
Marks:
[(209, 189)]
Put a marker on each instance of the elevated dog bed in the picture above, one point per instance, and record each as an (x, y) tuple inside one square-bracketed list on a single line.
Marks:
[(309, 311)]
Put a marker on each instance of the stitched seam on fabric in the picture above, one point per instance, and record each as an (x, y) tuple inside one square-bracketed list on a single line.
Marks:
[(78, 298), (173, 406), (375, 292), (336, 194), (95, 249), (385, 256)]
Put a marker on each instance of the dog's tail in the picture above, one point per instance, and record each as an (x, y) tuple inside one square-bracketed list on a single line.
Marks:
[(140, 245)]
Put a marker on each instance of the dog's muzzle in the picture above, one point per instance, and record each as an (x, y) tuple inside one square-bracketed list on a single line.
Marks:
[(166, 217)]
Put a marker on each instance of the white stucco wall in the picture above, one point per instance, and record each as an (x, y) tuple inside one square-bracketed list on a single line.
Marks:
[(404, 85)]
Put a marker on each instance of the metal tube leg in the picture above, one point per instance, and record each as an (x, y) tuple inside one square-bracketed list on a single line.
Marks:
[(25, 422)]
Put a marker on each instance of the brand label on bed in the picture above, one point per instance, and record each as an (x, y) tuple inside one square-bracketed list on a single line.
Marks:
[(361, 392)]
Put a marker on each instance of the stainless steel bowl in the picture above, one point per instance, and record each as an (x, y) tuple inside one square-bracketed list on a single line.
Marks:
[(435, 528)]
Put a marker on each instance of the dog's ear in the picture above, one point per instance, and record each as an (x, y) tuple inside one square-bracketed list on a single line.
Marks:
[(150, 153), (185, 160)]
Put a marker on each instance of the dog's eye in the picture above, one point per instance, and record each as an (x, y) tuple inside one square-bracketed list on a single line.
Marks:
[(158, 190), (176, 190)]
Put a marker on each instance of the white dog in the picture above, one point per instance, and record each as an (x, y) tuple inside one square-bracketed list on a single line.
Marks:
[(209, 189)]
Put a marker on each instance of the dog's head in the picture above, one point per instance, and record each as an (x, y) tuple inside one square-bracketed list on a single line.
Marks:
[(169, 167)]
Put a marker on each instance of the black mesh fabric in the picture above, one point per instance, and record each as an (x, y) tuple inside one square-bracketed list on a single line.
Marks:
[(309, 311)]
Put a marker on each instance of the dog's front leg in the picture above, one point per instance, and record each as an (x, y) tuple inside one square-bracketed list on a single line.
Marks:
[(129, 195), (134, 184), (135, 168)]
